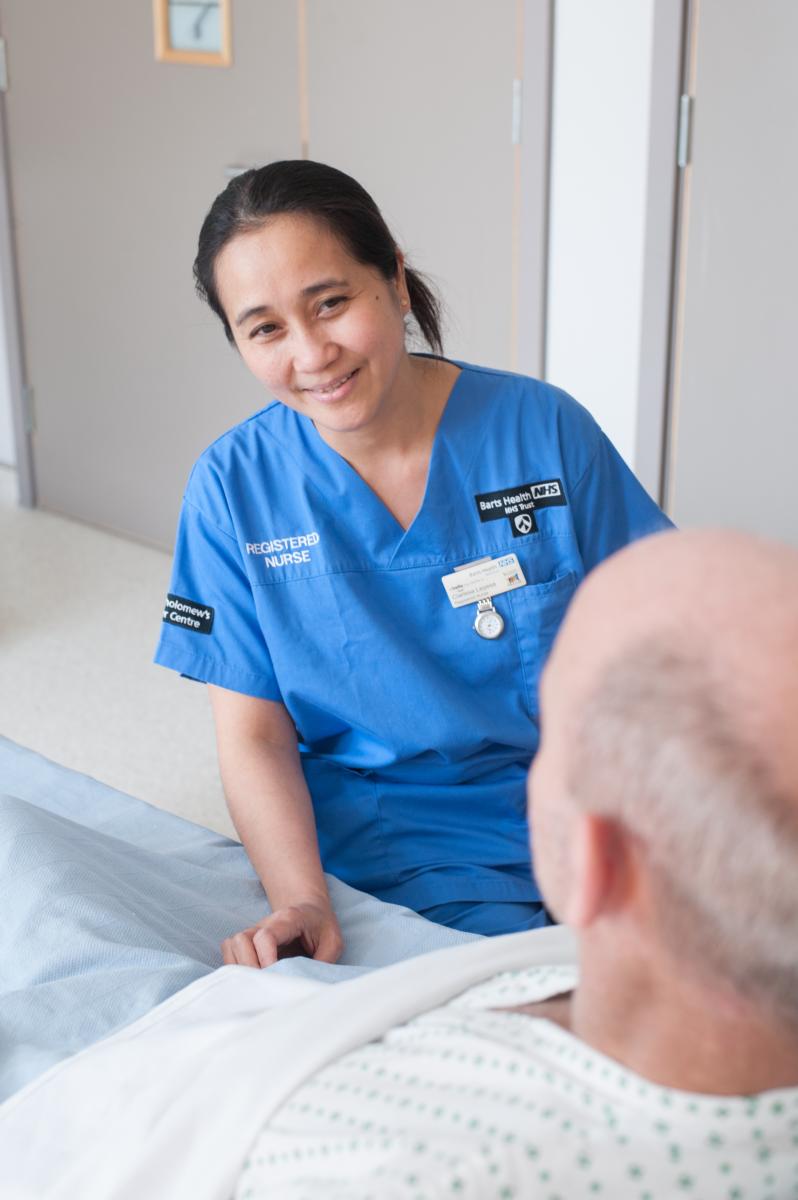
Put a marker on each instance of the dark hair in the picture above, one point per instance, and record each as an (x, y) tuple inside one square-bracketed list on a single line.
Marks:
[(326, 194)]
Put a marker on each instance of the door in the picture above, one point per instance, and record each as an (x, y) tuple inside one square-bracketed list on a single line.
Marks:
[(734, 422)]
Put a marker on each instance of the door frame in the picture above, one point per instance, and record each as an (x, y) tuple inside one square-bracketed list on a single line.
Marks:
[(664, 198), (531, 133), (680, 238), (11, 330)]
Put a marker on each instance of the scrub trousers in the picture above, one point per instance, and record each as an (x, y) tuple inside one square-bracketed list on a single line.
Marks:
[(491, 917)]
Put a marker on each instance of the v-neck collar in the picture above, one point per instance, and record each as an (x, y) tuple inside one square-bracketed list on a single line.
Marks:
[(454, 447)]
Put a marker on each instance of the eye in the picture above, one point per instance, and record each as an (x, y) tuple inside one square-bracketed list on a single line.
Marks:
[(262, 331), (332, 303)]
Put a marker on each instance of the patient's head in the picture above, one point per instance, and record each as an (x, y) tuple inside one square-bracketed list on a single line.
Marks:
[(665, 792)]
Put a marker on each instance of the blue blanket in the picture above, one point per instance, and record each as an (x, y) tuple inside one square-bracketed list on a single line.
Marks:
[(109, 905)]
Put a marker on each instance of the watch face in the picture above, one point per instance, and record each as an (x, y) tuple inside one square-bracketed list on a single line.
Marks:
[(489, 624)]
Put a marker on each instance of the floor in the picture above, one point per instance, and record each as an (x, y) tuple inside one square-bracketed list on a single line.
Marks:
[(80, 611)]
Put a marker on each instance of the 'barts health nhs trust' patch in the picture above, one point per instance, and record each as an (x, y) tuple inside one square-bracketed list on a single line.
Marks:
[(518, 504), (188, 614)]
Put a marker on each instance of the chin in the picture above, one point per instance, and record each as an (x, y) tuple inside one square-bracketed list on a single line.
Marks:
[(342, 421)]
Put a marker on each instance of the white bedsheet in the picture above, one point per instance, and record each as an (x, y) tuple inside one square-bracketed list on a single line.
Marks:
[(169, 1106)]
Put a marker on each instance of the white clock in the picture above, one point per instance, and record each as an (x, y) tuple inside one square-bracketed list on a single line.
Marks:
[(193, 31)]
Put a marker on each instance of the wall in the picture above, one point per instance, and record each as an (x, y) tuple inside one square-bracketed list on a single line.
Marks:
[(616, 68)]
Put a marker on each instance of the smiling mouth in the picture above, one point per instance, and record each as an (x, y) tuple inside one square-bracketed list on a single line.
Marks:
[(329, 388)]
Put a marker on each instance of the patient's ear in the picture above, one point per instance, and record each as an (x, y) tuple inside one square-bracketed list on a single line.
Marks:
[(597, 867)]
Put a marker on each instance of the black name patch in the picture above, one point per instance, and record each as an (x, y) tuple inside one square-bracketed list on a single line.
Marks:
[(190, 614), (518, 504)]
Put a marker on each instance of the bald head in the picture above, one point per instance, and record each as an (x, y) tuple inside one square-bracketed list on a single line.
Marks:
[(726, 598), (670, 704)]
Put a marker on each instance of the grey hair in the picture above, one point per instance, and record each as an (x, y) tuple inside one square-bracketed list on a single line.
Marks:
[(660, 748)]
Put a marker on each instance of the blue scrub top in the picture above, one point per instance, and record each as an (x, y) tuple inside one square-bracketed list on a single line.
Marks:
[(293, 582)]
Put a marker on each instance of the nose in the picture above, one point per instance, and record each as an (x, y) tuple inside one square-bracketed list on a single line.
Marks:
[(313, 350)]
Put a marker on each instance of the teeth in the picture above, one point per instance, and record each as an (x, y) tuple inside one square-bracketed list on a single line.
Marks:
[(334, 386)]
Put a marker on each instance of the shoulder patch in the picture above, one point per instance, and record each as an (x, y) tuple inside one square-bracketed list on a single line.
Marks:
[(190, 614)]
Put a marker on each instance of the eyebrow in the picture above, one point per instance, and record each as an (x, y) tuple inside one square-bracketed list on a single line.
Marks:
[(312, 290)]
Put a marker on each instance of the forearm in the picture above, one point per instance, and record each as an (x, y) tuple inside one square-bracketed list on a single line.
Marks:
[(272, 811)]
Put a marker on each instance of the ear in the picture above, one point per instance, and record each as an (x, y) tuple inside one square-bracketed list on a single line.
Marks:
[(597, 864), (400, 282)]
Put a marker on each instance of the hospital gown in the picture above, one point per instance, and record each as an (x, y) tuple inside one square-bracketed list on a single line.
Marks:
[(469, 1102)]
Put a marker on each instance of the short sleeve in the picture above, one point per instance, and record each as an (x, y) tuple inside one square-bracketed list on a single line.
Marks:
[(210, 628), (610, 507)]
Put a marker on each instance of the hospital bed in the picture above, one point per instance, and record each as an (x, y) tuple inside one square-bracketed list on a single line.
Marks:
[(108, 906)]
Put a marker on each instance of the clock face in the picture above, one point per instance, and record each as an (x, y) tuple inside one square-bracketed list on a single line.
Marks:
[(489, 625), (194, 25)]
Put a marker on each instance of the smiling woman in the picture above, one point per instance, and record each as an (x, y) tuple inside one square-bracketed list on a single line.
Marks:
[(373, 718)]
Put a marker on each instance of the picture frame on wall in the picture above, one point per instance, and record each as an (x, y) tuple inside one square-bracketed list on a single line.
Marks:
[(195, 32)]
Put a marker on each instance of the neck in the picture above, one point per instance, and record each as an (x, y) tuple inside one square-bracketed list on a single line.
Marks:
[(674, 1029)]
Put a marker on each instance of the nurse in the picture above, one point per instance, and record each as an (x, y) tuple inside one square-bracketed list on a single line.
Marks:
[(369, 573)]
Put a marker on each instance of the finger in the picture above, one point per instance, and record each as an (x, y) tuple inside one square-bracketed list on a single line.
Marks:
[(266, 947), (228, 958), (243, 950), (285, 925)]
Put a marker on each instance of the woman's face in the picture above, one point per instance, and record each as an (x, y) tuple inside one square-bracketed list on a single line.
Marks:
[(321, 331)]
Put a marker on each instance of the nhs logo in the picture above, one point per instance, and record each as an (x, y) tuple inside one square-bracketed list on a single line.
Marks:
[(549, 489)]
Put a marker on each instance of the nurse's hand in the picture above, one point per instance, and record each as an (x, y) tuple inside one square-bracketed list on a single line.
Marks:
[(309, 929)]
